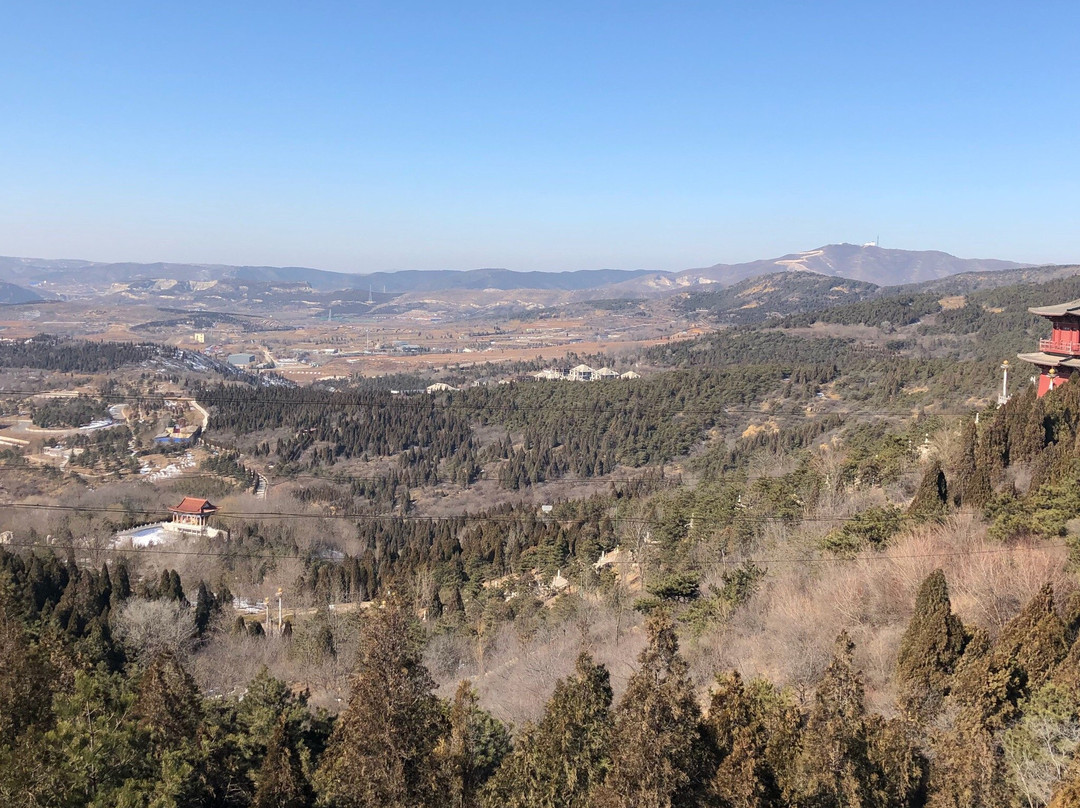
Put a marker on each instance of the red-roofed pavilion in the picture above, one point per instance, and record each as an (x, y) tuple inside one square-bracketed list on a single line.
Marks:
[(193, 511), (1058, 356)]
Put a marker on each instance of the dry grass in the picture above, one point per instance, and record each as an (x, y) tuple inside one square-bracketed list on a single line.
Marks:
[(786, 630), (519, 673)]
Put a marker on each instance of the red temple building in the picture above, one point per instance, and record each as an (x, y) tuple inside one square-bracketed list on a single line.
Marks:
[(1059, 356), (193, 511)]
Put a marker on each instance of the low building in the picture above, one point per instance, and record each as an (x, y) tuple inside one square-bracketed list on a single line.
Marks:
[(241, 359), (606, 373), (193, 512), (441, 387), (630, 374), (176, 435), (580, 373), (548, 374)]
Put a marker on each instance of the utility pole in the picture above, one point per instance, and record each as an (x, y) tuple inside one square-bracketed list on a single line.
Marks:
[(279, 610), (266, 603), (1004, 397)]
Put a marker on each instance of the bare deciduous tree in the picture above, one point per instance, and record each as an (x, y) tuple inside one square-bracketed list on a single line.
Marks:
[(149, 627)]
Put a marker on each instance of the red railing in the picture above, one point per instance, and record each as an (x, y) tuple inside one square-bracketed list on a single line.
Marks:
[(1059, 347)]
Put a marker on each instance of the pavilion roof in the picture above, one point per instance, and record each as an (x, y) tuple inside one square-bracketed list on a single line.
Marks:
[(1050, 360), (1060, 310), (195, 506)]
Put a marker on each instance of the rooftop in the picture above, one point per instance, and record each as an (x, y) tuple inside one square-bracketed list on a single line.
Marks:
[(1050, 360), (1060, 310), (193, 505)]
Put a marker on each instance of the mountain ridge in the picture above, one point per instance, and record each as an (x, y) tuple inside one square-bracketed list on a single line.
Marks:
[(866, 263)]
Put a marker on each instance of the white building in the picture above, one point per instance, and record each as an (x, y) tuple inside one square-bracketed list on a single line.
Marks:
[(581, 373), (548, 374)]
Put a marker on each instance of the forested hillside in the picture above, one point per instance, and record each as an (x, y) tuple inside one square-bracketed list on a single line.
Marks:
[(97, 708), (807, 562), (49, 352)]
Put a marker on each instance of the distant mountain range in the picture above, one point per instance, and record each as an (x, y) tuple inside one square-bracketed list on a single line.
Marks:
[(75, 278), (12, 294)]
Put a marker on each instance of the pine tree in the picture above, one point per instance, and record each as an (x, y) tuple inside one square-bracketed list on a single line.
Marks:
[(94, 755), (848, 758), (931, 499), (966, 465), (204, 607), (753, 730), (656, 745), (380, 753), (176, 590), (164, 586), (476, 744), (558, 762), (1035, 639), (282, 783), (25, 674), (168, 704), (122, 585), (979, 490), (833, 765), (929, 650), (969, 762), (456, 606)]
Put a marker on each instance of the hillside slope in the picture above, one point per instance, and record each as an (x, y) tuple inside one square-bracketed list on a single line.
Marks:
[(868, 263)]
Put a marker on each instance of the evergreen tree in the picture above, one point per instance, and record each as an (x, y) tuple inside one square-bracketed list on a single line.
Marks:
[(931, 499), (122, 585), (849, 759), (456, 606), (1035, 639), (833, 767), (656, 744), (95, 755), (24, 674), (282, 783), (204, 607), (168, 704), (969, 761), (380, 753), (753, 730), (929, 650), (557, 763), (476, 744), (966, 464), (979, 490), (175, 589)]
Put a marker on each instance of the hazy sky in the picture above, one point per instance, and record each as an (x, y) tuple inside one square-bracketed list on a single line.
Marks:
[(542, 135)]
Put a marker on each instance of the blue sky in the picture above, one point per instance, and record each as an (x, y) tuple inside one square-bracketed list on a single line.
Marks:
[(559, 135)]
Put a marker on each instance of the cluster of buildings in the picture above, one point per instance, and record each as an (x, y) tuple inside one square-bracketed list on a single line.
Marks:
[(584, 373)]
